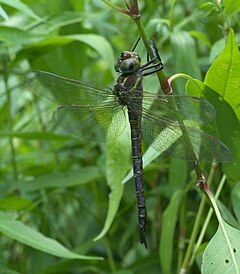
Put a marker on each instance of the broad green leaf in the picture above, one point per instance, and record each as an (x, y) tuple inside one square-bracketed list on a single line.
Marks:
[(50, 41), (36, 170), (3, 114), (226, 121), (62, 19), (124, 272), (223, 75), (36, 135), (169, 220), (235, 199), (209, 8), (6, 270), (128, 177), (61, 179), (98, 43), (231, 7), (117, 165), (150, 155), (78, 5), (3, 14), (227, 215), (19, 5), (178, 167), (218, 47), (186, 21), (222, 255), (14, 203), (184, 56), (17, 37), (30, 237), (201, 36)]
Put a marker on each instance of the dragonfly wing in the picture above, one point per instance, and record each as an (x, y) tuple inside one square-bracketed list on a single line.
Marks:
[(66, 91), (191, 110), (95, 123), (180, 141)]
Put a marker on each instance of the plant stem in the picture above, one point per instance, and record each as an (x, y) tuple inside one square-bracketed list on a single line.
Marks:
[(115, 7), (182, 231), (207, 220), (186, 261), (179, 75), (110, 255), (223, 16), (160, 74), (9, 103), (214, 204), (171, 12)]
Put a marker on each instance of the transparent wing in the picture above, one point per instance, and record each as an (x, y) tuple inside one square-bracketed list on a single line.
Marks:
[(192, 110), (65, 91), (181, 141), (95, 123)]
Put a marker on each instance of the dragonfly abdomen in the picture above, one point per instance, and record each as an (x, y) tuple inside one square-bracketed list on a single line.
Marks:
[(136, 139), (128, 90)]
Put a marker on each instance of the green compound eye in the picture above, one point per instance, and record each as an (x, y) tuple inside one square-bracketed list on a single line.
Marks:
[(128, 62)]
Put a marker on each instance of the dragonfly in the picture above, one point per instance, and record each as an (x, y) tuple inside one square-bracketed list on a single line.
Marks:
[(171, 124)]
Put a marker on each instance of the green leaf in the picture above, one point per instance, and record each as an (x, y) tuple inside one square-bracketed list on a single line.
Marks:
[(98, 43), (14, 203), (6, 270), (61, 179), (235, 199), (223, 75), (62, 19), (36, 135), (222, 255), (3, 14), (17, 4), (231, 7), (117, 158), (184, 56), (50, 41), (209, 8), (218, 47), (178, 167), (227, 215), (16, 37), (169, 220), (124, 272), (226, 121), (30, 237), (201, 36)]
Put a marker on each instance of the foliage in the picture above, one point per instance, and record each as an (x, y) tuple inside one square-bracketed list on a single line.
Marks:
[(61, 197)]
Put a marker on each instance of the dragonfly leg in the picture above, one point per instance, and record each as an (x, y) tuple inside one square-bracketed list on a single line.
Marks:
[(149, 65), (134, 47)]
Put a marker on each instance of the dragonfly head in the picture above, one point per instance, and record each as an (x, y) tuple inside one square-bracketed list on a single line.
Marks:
[(128, 62)]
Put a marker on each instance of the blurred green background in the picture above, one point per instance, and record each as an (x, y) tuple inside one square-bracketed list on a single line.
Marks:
[(69, 189)]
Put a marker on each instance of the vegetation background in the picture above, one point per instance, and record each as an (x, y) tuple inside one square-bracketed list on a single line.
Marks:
[(61, 196)]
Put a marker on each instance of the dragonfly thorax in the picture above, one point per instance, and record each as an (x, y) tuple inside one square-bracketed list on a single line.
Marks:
[(128, 62)]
